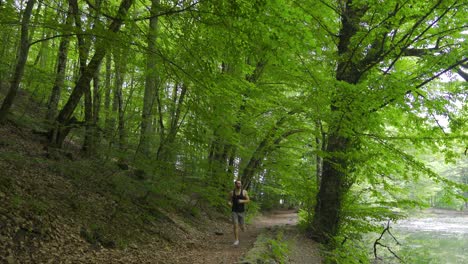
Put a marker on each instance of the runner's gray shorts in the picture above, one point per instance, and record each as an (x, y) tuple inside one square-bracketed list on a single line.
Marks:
[(238, 218)]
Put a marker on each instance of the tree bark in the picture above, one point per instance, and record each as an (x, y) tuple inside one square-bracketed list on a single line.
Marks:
[(335, 178), (333, 187), (151, 83), (320, 142), (122, 132), (91, 96), (20, 63), (117, 104), (107, 99), (60, 74), (96, 111), (88, 111)]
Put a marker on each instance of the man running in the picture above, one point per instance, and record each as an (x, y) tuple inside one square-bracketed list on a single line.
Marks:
[(237, 199)]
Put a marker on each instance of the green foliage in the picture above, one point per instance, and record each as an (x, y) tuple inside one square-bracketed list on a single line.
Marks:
[(278, 248), (253, 210), (264, 83), (446, 199), (351, 251), (269, 247)]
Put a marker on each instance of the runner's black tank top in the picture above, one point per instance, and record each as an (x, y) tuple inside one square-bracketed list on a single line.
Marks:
[(236, 206)]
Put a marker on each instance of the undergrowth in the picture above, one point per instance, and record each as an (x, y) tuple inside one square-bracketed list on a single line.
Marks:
[(270, 247)]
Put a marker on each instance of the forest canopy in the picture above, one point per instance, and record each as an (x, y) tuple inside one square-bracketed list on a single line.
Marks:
[(341, 108)]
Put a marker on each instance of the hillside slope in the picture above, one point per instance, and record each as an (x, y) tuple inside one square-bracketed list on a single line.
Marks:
[(61, 207)]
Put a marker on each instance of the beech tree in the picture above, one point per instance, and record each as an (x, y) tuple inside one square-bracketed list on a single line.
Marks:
[(373, 43)]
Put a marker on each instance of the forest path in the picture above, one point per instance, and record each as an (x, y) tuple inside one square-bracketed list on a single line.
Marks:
[(218, 249)]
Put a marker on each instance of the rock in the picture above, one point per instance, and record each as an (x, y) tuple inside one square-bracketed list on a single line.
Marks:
[(218, 233)]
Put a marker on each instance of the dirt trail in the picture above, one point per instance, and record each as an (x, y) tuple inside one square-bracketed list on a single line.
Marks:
[(218, 249)]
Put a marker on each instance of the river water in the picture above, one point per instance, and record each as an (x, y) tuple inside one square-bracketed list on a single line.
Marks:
[(434, 237), (440, 224)]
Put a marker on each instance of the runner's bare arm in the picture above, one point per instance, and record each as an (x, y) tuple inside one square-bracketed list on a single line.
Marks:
[(230, 198), (247, 199)]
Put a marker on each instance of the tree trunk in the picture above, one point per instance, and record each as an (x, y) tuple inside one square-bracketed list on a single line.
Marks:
[(5, 47), (91, 97), (117, 105), (163, 154), (20, 64), (333, 187), (335, 180), (60, 75), (151, 84), (88, 111), (83, 83), (320, 146), (107, 99), (84, 46), (96, 111), (122, 133), (5, 55), (217, 163)]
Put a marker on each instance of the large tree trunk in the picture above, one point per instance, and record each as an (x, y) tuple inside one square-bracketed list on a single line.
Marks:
[(83, 83), (333, 186), (151, 84), (20, 63), (335, 180)]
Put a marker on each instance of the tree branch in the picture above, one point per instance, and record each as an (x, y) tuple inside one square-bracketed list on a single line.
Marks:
[(463, 74), (377, 243), (287, 134), (169, 12), (456, 64), (451, 67), (416, 25), (53, 37)]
